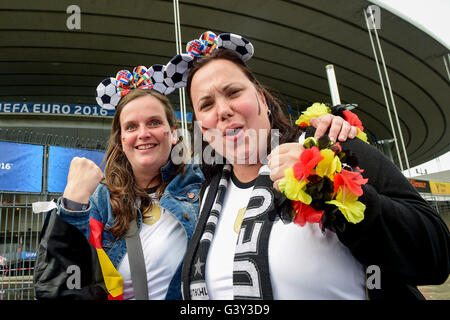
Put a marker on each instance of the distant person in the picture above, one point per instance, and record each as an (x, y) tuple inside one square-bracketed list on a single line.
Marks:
[(3, 265)]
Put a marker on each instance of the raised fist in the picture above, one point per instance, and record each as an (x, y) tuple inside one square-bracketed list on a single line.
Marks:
[(82, 180)]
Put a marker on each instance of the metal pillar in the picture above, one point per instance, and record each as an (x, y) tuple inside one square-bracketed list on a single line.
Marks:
[(335, 99), (446, 57), (384, 92), (176, 16)]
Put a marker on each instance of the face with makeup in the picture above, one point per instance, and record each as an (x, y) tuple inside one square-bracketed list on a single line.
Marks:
[(232, 112), (146, 135)]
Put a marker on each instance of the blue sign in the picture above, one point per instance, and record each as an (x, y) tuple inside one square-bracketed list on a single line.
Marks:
[(28, 255), (65, 108), (59, 159), (54, 108), (21, 167), (188, 115)]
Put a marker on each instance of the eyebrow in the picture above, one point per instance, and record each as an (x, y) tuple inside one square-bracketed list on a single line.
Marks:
[(224, 88), (155, 117)]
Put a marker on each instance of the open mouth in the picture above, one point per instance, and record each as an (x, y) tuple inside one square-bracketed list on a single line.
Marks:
[(146, 146), (233, 132)]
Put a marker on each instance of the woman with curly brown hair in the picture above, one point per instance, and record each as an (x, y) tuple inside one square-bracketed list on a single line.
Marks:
[(141, 184)]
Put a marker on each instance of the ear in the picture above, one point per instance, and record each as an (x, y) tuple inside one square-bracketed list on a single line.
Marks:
[(122, 141), (174, 136)]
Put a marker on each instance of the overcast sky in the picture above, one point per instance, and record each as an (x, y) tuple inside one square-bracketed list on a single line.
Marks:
[(433, 17)]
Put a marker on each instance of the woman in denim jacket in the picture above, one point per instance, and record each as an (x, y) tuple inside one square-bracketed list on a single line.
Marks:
[(141, 183)]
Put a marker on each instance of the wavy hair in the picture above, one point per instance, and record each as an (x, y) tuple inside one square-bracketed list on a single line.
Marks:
[(119, 177)]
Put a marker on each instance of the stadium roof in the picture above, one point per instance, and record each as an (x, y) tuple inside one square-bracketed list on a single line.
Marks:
[(442, 176), (42, 60)]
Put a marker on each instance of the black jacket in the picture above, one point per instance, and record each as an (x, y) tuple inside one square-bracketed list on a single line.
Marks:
[(401, 233)]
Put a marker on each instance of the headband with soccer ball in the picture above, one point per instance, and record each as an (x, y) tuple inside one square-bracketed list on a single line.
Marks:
[(176, 71), (111, 90)]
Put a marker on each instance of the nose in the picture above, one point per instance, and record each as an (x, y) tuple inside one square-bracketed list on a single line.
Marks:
[(144, 133), (224, 109)]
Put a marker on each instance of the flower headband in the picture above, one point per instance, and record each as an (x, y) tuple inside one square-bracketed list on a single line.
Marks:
[(111, 90), (176, 71)]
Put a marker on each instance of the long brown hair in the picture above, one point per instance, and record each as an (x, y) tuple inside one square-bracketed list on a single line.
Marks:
[(119, 177), (277, 118)]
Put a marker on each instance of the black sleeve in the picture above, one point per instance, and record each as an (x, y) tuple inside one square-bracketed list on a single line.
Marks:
[(73, 206), (401, 233)]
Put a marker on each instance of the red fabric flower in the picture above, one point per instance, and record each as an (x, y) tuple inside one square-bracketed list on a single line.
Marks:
[(337, 148), (351, 180), (353, 119), (303, 125), (305, 214), (308, 160)]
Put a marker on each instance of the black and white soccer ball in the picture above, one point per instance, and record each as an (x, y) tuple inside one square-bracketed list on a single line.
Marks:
[(156, 73), (237, 43), (107, 95), (176, 71)]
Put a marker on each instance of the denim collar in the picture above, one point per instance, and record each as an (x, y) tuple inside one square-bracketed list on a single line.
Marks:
[(168, 170)]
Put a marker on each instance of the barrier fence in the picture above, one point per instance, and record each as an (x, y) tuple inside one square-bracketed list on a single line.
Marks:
[(19, 240), (19, 226)]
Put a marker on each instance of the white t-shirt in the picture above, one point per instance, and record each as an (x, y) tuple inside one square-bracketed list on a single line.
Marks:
[(164, 243), (304, 263), (219, 263)]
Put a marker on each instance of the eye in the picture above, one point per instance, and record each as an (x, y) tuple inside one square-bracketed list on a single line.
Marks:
[(234, 92), (154, 123), (130, 127), (204, 106)]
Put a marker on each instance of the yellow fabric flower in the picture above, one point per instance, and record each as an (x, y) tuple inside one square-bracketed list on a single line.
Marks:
[(294, 189), (316, 110), (329, 165), (348, 204), (361, 135), (310, 142)]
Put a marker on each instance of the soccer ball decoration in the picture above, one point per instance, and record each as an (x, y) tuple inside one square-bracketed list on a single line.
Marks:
[(156, 73), (107, 95), (175, 73), (235, 42)]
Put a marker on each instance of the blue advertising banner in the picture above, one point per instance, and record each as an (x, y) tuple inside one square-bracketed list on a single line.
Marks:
[(28, 255), (188, 116), (54, 108), (21, 167), (59, 159), (64, 108)]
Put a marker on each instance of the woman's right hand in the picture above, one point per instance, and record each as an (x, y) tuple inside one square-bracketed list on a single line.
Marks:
[(82, 180), (281, 158)]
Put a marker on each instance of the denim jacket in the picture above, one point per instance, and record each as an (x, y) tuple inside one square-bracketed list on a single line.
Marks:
[(180, 198)]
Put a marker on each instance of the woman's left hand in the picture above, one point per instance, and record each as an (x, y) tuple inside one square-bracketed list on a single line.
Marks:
[(338, 127), (283, 157)]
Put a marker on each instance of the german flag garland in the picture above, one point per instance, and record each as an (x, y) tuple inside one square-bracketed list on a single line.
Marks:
[(320, 109), (112, 278), (324, 186)]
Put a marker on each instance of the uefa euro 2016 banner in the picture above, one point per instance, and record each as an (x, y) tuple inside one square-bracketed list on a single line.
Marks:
[(21, 167), (54, 108), (59, 159), (65, 109)]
